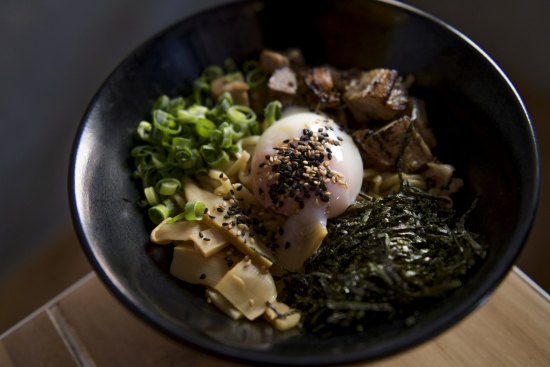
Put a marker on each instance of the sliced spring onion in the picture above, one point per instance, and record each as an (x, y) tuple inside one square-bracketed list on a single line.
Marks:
[(165, 122), (250, 65), (230, 65), (144, 130), (194, 210), (256, 78), (212, 72), (162, 103), (272, 113), (158, 213), (204, 127), (151, 195), (168, 186), (213, 157), (201, 92), (241, 116)]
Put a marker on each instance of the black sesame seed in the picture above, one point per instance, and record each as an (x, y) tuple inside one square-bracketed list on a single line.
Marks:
[(203, 276), (219, 209)]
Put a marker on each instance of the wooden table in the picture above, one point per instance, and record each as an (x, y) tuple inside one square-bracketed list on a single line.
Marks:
[(86, 326)]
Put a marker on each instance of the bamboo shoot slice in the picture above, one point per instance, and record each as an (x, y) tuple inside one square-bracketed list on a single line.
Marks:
[(209, 241), (248, 288), (281, 316), (191, 266), (214, 297), (178, 231)]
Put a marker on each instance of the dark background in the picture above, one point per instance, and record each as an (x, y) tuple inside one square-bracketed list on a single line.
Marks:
[(56, 53)]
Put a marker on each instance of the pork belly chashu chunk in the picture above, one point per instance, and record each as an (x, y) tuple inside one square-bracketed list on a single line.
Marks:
[(378, 94), (319, 87), (271, 60), (283, 85), (382, 149), (235, 86)]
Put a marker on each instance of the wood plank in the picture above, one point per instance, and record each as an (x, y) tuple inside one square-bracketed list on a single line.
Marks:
[(36, 343)]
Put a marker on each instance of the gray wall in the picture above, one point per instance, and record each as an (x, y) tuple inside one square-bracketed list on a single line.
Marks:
[(56, 53)]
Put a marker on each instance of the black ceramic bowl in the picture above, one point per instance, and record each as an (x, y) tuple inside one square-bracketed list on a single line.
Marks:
[(479, 119)]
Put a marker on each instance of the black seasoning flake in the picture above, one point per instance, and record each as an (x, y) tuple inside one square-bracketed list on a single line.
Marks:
[(203, 276)]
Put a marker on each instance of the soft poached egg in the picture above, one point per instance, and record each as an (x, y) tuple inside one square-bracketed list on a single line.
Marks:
[(307, 169)]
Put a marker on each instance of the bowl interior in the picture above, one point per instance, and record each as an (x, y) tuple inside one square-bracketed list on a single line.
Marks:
[(480, 122)]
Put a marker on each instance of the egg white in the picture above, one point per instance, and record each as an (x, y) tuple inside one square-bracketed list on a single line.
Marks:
[(306, 227)]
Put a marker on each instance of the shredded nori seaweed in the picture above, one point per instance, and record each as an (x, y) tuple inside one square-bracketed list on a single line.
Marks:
[(380, 259)]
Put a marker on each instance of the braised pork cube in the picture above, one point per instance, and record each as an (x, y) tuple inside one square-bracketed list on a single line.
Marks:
[(283, 85), (271, 61), (385, 147), (295, 57), (233, 84), (378, 94), (320, 90)]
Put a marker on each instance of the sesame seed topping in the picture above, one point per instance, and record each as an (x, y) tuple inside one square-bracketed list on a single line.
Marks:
[(299, 169)]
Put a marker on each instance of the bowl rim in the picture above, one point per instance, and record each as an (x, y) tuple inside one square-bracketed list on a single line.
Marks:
[(476, 299)]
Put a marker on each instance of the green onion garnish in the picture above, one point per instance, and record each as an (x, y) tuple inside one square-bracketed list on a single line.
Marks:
[(158, 213), (272, 113), (168, 186), (188, 135)]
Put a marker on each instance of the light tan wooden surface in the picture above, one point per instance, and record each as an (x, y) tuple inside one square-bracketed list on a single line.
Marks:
[(86, 326)]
